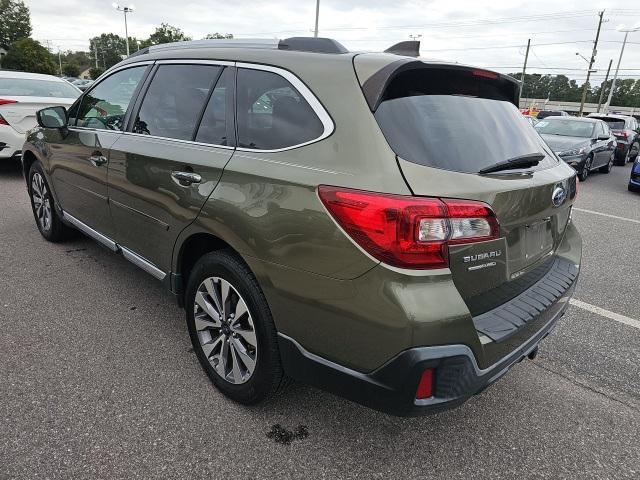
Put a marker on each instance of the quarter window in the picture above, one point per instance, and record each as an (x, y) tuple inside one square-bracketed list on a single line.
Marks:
[(105, 106), (174, 101), (271, 113)]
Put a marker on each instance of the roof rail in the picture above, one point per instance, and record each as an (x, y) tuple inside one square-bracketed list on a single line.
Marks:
[(410, 48), (300, 44), (312, 44)]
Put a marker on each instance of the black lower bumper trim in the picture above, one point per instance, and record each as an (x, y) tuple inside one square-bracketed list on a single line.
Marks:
[(392, 387)]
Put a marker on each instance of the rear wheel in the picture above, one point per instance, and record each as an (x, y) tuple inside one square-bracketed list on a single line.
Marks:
[(43, 205), (231, 328), (607, 168), (624, 158), (585, 169)]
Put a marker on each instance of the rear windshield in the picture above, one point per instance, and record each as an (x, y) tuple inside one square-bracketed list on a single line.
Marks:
[(566, 128), (426, 121), (614, 123), (29, 87)]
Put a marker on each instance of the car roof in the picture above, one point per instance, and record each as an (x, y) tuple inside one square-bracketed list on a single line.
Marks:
[(577, 119), (610, 115), (28, 75)]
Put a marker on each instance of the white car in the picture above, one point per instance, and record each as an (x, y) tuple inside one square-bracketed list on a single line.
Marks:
[(21, 96)]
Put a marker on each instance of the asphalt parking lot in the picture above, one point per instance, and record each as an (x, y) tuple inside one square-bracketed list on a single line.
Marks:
[(98, 379)]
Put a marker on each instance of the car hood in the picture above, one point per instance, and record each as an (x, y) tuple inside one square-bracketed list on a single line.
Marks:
[(560, 143)]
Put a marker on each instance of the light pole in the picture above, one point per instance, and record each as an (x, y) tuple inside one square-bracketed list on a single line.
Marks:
[(126, 10), (315, 32), (626, 31)]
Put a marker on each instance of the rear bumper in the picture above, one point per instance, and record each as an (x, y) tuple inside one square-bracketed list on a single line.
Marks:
[(391, 388)]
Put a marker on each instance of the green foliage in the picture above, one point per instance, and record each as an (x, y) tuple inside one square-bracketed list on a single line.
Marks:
[(216, 36), (28, 55), (81, 59), (95, 72), (15, 22), (559, 87), (71, 69), (110, 48), (165, 33)]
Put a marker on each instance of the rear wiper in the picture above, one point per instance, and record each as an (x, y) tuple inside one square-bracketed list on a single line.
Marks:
[(522, 161)]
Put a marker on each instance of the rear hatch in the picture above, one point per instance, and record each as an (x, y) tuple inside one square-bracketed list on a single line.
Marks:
[(447, 123)]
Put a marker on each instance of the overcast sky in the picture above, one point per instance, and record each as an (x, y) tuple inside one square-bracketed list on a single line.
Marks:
[(479, 32)]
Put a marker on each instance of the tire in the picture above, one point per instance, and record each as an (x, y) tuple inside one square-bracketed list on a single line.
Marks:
[(607, 168), (584, 173), (44, 208), (209, 335), (631, 188), (625, 158)]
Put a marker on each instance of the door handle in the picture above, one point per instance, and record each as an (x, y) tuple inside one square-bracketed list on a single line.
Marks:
[(186, 178), (98, 160)]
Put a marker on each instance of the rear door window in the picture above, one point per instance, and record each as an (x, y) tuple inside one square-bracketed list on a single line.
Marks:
[(271, 113), (216, 127), (454, 121), (174, 101)]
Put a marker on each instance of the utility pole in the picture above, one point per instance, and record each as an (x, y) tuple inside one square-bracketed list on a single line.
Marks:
[(60, 61), (315, 32), (524, 69), (594, 52), (615, 75), (95, 51), (603, 86)]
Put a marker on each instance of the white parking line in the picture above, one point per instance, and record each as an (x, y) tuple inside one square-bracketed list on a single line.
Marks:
[(575, 209), (606, 313)]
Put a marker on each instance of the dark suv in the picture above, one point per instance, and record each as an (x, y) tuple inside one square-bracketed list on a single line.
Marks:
[(627, 132), (317, 214)]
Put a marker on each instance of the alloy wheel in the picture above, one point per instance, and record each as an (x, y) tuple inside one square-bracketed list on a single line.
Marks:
[(41, 201), (225, 330)]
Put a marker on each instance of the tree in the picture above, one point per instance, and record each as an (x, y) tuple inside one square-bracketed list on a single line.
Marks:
[(216, 36), (71, 69), (165, 33), (110, 46), (95, 72), (15, 22), (28, 55)]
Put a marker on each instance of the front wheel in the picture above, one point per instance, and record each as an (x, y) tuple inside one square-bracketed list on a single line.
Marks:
[(585, 169), (231, 328), (43, 205)]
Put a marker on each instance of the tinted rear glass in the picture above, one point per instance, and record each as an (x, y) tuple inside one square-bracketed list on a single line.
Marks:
[(26, 87), (567, 128), (614, 124), (459, 133)]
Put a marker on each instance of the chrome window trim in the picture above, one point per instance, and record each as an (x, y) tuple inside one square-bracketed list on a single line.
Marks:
[(178, 140), (308, 95), (115, 69)]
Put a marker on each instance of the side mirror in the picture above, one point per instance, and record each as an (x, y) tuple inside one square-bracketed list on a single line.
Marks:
[(52, 117), (603, 137)]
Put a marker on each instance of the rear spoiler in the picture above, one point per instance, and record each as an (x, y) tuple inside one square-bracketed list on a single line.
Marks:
[(376, 85)]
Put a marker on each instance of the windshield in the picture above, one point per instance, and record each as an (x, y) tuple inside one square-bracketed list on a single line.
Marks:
[(566, 128), (459, 133), (29, 87)]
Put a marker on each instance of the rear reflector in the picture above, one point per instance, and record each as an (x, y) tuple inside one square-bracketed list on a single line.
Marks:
[(409, 232), (4, 101), (425, 387)]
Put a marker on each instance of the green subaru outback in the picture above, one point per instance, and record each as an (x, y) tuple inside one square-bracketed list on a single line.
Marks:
[(384, 227)]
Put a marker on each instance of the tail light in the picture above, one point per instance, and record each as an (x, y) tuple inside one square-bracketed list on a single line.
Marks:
[(621, 134), (4, 101), (3, 121), (409, 232)]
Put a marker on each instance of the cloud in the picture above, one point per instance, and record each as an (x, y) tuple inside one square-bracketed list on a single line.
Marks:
[(480, 32)]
